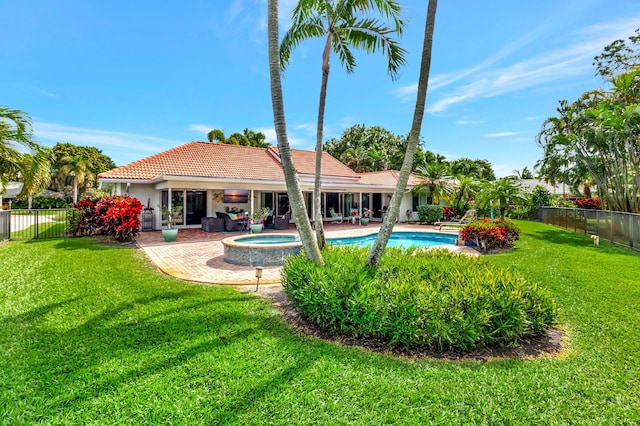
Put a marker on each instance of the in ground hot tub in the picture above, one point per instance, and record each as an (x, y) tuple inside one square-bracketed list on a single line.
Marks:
[(261, 249)]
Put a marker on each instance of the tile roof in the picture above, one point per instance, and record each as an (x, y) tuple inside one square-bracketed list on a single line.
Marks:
[(385, 178), (305, 163), (211, 160)]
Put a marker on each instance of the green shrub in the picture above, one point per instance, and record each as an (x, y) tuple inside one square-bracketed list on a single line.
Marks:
[(430, 213), (438, 299)]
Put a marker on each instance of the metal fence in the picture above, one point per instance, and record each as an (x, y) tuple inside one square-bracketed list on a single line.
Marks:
[(617, 227), (35, 224), (5, 225)]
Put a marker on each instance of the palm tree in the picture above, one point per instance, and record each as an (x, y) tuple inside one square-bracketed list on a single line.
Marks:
[(465, 188), (36, 173), (336, 20), (412, 141), (78, 168), (293, 186), (15, 129), (504, 192), (434, 179)]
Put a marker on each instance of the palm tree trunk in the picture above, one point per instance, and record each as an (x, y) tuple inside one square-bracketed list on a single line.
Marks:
[(293, 187), (382, 239), (317, 184), (75, 190)]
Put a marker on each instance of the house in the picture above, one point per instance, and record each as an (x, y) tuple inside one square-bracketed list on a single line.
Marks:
[(9, 193), (208, 177)]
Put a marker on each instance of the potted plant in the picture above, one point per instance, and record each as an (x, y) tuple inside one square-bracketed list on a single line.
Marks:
[(366, 215), (257, 219), (171, 216)]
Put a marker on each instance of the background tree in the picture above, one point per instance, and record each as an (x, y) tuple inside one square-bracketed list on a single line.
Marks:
[(97, 162), (465, 189), (291, 179), (379, 245), (77, 168), (380, 149), (247, 138), (480, 169), (525, 173), (337, 21)]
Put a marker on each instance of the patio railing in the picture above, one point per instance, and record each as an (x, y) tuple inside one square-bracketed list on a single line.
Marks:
[(617, 227)]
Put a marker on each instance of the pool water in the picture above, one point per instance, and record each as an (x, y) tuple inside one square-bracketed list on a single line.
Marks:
[(399, 239), (268, 239)]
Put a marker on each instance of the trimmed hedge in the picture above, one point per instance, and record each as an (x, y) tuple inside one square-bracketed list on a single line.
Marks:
[(430, 213), (437, 299)]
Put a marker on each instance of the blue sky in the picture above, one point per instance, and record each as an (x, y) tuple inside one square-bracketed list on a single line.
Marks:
[(134, 78)]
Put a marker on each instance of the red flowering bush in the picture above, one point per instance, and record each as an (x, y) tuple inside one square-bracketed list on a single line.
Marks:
[(449, 213), (489, 235), (117, 216), (589, 203)]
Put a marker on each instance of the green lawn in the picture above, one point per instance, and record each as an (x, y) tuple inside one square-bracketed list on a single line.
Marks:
[(92, 334)]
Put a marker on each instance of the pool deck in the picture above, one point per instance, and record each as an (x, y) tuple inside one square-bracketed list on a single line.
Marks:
[(199, 256)]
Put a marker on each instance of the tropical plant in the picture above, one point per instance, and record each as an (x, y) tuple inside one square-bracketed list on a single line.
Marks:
[(377, 249), (487, 235), (15, 131), (172, 215), (594, 139), (434, 180), (541, 196), (259, 214), (36, 174), (464, 191), (500, 194), (337, 21), (78, 168), (294, 191)]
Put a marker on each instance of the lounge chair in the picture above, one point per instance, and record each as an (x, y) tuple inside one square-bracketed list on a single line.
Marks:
[(282, 222), (468, 217), (335, 217), (231, 225)]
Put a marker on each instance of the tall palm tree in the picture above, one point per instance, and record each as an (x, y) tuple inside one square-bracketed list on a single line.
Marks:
[(336, 20), (79, 169), (36, 173), (412, 141), (293, 186)]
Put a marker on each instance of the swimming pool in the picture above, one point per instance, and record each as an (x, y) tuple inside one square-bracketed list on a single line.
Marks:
[(399, 239)]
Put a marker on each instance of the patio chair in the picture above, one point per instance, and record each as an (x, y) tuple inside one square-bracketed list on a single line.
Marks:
[(335, 217), (468, 217), (282, 222), (231, 225)]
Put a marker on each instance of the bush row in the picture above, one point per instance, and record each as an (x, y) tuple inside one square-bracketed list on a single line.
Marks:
[(117, 216), (438, 299)]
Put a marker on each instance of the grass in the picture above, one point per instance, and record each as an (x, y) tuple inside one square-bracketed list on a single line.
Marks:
[(92, 334)]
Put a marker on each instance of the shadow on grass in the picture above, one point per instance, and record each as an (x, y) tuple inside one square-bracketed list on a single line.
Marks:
[(124, 347)]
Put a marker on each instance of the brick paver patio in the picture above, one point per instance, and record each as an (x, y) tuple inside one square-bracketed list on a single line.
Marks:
[(199, 256)]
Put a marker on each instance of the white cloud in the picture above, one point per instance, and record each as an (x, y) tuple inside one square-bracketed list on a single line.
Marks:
[(501, 134), (101, 138), (467, 122), (200, 128), (481, 82)]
